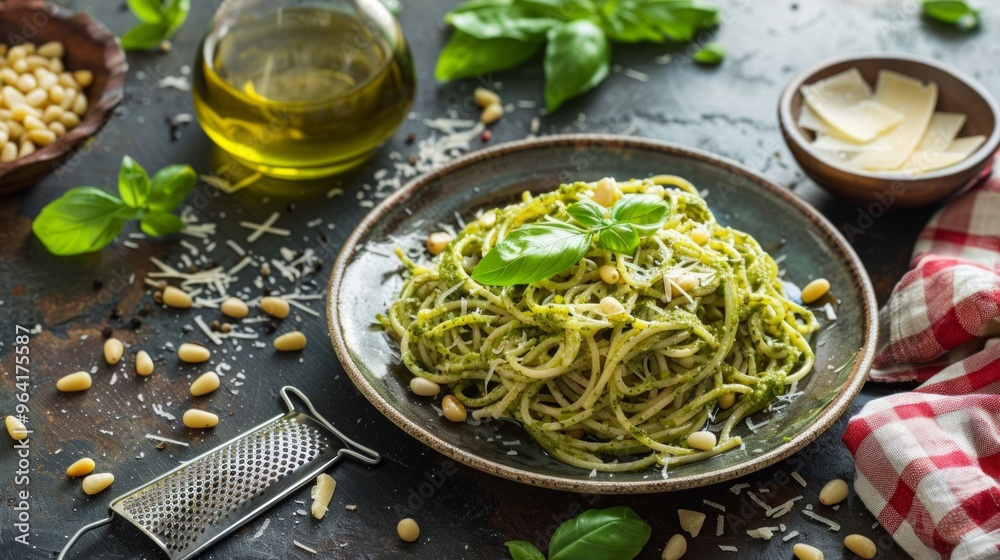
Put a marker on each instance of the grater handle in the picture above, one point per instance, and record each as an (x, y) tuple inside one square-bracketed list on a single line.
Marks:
[(69, 544), (353, 449)]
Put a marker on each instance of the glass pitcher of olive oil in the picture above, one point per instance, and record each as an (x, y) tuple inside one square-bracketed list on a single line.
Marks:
[(302, 88)]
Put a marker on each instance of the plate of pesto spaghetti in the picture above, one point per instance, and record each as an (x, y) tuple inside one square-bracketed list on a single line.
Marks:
[(603, 314)]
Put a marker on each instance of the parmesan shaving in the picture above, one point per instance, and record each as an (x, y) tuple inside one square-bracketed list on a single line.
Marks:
[(833, 525)]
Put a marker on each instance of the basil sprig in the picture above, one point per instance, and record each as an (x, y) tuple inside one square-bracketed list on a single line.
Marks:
[(710, 54), (541, 250), (86, 219), (493, 35), (159, 21), (615, 533), (954, 12)]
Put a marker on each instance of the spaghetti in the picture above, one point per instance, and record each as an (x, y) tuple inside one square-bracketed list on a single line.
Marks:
[(704, 334)]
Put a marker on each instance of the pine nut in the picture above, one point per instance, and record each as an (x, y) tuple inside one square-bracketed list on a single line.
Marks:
[(691, 521), (205, 384), (69, 119), (31, 122), (51, 114), (29, 49), (35, 61), (37, 97), (97, 482), (235, 307), (606, 193), (67, 101), (576, 433), (175, 297), (424, 387), (727, 401), (321, 494), (67, 81), (20, 66), (700, 236), (17, 52), (53, 49), (611, 306), (143, 363), (803, 551), (27, 148), (83, 77), (8, 76), (275, 307), (488, 219), (79, 381), (80, 468), (4, 136), (815, 290), (22, 111), (15, 428), (453, 409), (57, 93), (113, 350), (46, 79), (290, 342), (609, 274), (42, 136), (58, 129), (9, 152), (80, 104), (197, 419), (56, 66), (491, 113), (437, 242), (11, 96), (408, 530), (485, 97), (685, 282), (860, 545), (676, 547), (193, 353), (834, 492), (26, 83), (703, 440), (16, 130)]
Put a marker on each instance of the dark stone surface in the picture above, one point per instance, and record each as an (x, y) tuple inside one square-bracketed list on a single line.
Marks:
[(729, 110)]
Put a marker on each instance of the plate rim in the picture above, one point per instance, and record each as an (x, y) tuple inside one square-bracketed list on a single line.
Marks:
[(834, 410)]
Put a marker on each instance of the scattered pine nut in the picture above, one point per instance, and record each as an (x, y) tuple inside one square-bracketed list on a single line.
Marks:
[(193, 353), (113, 350), (453, 409), (97, 482), (79, 381), (491, 113), (175, 297), (195, 418), (727, 401), (691, 521), (609, 274), (81, 467), (15, 428), (235, 307), (143, 363), (611, 306), (437, 241), (488, 219), (803, 551), (485, 97), (290, 342), (205, 384), (860, 545), (700, 236), (815, 290), (834, 492), (275, 307), (321, 494), (424, 387), (702, 441), (408, 530), (606, 193), (676, 547)]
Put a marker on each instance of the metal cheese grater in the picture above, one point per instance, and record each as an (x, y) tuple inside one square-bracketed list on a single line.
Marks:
[(195, 505)]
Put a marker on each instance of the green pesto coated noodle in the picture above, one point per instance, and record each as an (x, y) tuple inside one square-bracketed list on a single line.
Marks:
[(705, 316)]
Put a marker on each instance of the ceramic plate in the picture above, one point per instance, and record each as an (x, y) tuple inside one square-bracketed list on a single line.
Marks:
[(366, 277)]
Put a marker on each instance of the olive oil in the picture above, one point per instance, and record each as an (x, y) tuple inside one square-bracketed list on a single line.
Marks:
[(303, 92)]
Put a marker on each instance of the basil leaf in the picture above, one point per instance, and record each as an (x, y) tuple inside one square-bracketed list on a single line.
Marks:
[(620, 237), (144, 36), (495, 22), (133, 183), (466, 56), (712, 53), (532, 253), (615, 533), (577, 59), (170, 186), (523, 550), (655, 20), (587, 212), (158, 224), (955, 12), (644, 211), (566, 10), (84, 219), (149, 11), (176, 13)]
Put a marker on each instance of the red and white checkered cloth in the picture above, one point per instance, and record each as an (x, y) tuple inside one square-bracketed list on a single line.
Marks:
[(928, 461)]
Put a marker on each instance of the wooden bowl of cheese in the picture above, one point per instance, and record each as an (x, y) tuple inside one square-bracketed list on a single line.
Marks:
[(892, 129)]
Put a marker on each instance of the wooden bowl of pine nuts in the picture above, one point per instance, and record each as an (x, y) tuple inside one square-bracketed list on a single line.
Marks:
[(61, 75)]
